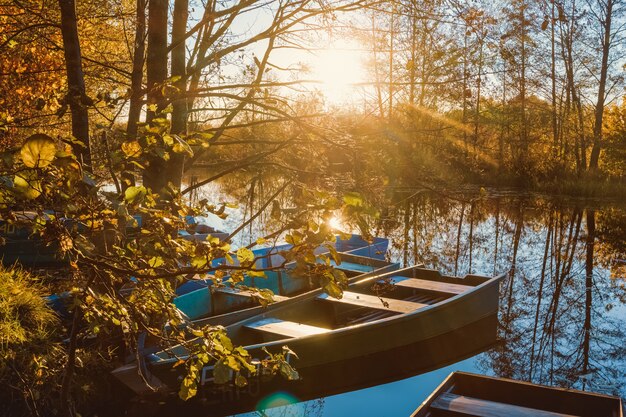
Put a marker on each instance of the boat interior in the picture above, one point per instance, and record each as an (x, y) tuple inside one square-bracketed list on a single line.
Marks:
[(215, 300), (466, 394), (367, 300)]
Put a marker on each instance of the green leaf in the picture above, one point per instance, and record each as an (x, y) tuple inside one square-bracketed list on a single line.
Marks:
[(241, 381), (28, 184), (288, 372), (333, 290), (256, 274), (221, 373), (340, 276), (199, 262), (156, 261), (38, 151), (334, 254), (309, 257), (134, 195), (188, 389), (353, 199), (232, 363)]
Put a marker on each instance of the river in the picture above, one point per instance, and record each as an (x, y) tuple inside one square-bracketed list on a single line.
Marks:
[(562, 303)]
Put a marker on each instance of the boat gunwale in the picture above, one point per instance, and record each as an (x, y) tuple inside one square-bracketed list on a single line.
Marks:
[(453, 377)]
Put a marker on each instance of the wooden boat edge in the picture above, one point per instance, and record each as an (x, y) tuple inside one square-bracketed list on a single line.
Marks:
[(450, 379)]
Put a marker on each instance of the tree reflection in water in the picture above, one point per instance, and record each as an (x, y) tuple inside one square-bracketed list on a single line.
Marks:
[(563, 302), (313, 408)]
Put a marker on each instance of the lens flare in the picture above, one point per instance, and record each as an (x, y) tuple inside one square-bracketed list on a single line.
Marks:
[(276, 399)]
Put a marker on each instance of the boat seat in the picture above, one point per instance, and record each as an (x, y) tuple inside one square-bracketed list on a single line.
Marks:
[(469, 406), (353, 267), (372, 301), (427, 285), (285, 328), (244, 293)]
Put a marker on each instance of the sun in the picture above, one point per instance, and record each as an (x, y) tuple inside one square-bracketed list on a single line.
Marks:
[(338, 70)]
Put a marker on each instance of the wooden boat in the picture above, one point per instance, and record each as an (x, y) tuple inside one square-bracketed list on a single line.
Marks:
[(377, 314), (212, 301), (355, 374), (465, 394), (21, 245), (271, 256)]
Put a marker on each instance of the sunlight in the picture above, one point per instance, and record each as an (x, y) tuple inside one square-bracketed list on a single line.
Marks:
[(339, 68), (336, 223)]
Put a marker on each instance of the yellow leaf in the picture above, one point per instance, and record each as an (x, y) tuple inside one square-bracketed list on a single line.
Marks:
[(245, 255), (38, 151), (131, 149)]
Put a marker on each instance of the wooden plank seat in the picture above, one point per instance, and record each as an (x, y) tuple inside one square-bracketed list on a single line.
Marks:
[(372, 301), (353, 267), (244, 293), (427, 285), (468, 406), (285, 328)]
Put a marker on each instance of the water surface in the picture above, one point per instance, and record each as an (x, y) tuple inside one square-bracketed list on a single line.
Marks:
[(562, 303)]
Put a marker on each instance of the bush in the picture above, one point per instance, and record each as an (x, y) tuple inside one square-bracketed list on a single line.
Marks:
[(31, 356)]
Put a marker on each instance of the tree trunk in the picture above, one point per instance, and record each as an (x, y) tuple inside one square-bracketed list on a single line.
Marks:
[(599, 110), (134, 108), (391, 52), (555, 129), (523, 116), (76, 96), (379, 93), (179, 62), (591, 231), (155, 176)]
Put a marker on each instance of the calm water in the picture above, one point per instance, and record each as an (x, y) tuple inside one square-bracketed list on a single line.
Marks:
[(562, 304)]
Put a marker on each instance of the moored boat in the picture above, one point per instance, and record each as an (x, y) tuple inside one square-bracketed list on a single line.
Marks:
[(20, 244), (466, 394), (209, 300), (271, 256), (378, 314)]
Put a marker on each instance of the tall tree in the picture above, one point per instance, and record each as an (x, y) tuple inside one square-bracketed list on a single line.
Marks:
[(76, 97), (156, 70), (604, 16), (136, 86)]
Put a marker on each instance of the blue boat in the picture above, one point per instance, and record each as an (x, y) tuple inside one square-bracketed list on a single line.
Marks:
[(21, 246), (28, 249), (209, 300), (196, 299), (270, 256)]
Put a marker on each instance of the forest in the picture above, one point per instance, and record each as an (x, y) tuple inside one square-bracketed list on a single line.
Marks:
[(116, 115)]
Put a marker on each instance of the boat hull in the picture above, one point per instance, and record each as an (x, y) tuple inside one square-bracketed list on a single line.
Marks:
[(348, 375), (357, 342)]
